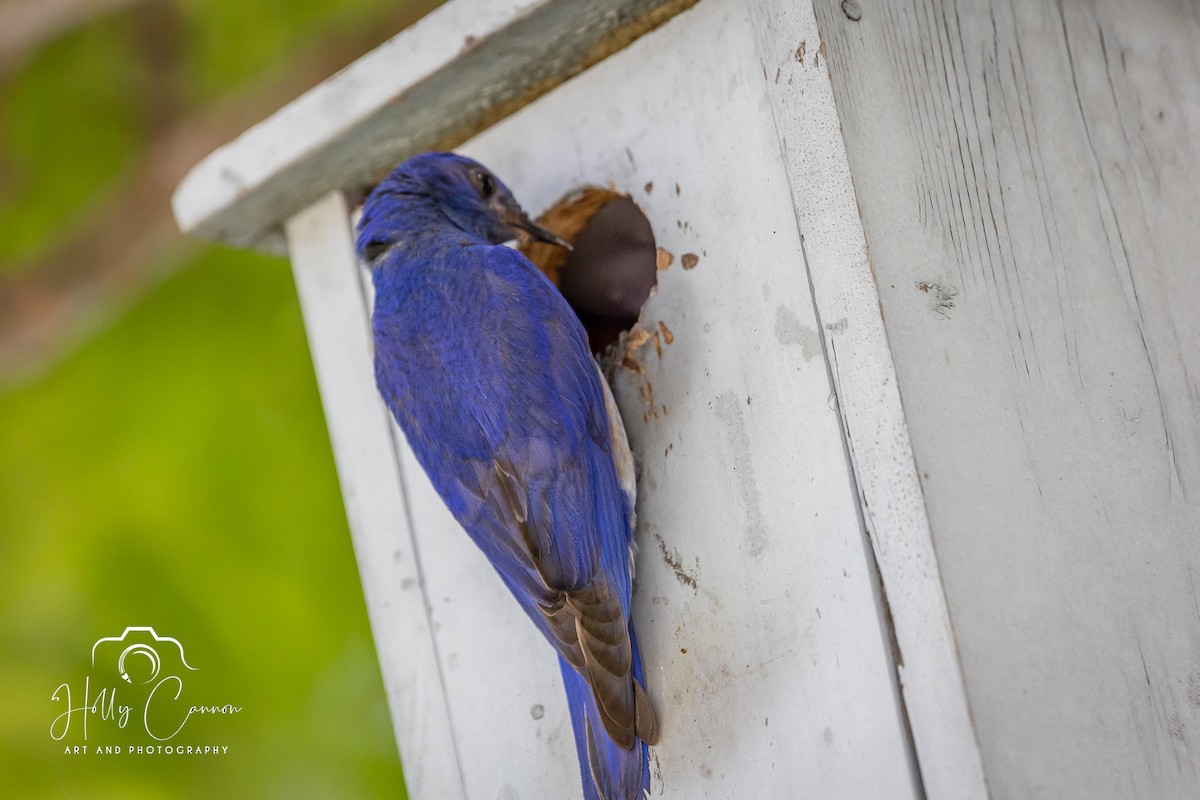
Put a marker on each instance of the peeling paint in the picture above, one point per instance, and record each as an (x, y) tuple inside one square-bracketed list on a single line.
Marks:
[(647, 393), (667, 336), (637, 337), (631, 342), (663, 258), (941, 297)]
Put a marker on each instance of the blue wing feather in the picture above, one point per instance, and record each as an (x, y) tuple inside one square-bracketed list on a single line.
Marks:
[(489, 374), (492, 363)]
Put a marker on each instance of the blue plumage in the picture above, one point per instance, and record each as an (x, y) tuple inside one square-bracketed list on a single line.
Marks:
[(488, 373)]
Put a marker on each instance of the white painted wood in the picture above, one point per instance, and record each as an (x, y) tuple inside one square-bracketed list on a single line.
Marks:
[(459, 69), (768, 661), (1028, 179), (755, 602), (1013, 347), (330, 285), (758, 605), (863, 373)]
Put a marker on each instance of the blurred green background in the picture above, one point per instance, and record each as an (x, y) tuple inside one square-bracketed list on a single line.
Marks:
[(163, 456)]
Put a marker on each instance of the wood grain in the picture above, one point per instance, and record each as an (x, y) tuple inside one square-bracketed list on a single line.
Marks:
[(1028, 180), (864, 375)]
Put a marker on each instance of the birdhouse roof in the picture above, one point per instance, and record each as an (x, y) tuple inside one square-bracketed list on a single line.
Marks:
[(434, 85)]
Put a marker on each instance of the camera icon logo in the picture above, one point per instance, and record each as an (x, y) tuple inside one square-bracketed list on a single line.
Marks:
[(139, 654)]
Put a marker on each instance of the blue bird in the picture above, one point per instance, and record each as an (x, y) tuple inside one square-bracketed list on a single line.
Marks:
[(487, 370)]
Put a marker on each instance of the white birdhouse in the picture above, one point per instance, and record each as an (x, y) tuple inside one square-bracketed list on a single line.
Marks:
[(918, 520)]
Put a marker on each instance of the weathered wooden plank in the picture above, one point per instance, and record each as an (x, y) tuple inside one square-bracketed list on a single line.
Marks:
[(1028, 176), (755, 595), (864, 375), (330, 284), (451, 75)]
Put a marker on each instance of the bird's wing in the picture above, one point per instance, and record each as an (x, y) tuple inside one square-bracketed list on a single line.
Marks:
[(557, 489), (511, 424), (587, 622)]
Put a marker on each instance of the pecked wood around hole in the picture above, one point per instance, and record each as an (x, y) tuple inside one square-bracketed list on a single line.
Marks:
[(611, 271)]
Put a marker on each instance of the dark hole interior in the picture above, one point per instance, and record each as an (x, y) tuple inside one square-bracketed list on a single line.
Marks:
[(610, 273)]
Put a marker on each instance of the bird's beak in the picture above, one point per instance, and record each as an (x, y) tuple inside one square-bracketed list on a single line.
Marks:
[(516, 218)]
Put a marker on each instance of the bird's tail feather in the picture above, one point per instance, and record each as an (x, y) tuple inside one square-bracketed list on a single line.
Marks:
[(609, 771)]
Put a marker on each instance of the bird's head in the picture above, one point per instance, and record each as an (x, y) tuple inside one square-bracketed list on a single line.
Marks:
[(466, 193)]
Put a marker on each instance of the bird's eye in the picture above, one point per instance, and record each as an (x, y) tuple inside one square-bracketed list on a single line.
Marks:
[(485, 182)]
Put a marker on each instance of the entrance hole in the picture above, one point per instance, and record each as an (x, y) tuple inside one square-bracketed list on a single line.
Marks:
[(610, 272)]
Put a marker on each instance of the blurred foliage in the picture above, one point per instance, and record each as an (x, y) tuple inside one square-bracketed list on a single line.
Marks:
[(70, 124), (227, 44), (175, 470), (176, 473), (75, 117)]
